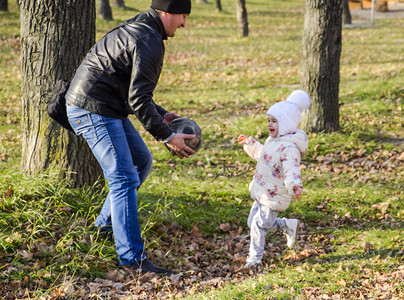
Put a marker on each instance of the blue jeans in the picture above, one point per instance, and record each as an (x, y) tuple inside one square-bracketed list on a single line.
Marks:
[(126, 162)]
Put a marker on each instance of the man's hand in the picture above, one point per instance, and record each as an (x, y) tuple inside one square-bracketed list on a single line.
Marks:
[(169, 117), (177, 145)]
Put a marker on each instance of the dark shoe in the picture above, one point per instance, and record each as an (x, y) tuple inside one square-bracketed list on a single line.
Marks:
[(146, 265)]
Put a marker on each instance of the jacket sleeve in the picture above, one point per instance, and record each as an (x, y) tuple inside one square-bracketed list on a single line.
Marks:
[(160, 110), (147, 63), (253, 148), (290, 160)]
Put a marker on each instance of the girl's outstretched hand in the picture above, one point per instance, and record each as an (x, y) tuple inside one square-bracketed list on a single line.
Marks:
[(242, 139)]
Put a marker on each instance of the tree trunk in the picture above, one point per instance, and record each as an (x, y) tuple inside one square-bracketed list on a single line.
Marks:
[(346, 13), (218, 5), (320, 64), (120, 3), (242, 21), (3, 5), (54, 39), (104, 10)]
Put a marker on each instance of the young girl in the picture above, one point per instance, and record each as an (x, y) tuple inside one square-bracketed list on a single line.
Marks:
[(277, 176)]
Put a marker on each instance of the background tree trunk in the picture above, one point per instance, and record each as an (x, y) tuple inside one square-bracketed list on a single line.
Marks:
[(120, 3), (3, 5), (242, 21), (346, 13), (54, 39), (104, 10), (321, 63), (218, 5)]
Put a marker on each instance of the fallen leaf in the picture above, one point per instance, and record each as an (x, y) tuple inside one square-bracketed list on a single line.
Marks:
[(224, 227), (195, 232)]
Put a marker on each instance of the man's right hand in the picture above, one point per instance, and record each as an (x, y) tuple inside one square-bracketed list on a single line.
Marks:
[(177, 145)]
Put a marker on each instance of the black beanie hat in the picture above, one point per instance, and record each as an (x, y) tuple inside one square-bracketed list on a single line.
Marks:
[(173, 6)]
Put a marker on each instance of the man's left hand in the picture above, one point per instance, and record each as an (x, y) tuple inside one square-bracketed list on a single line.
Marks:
[(169, 117)]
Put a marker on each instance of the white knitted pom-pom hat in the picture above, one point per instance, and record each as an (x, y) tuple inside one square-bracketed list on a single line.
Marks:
[(289, 112)]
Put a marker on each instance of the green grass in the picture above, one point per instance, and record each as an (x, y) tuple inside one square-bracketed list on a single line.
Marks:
[(352, 206)]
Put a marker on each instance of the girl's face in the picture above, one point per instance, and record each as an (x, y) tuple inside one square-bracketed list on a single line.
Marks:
[(273, 126)]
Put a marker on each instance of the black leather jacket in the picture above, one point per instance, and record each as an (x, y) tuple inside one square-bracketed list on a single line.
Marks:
[(119, 74)]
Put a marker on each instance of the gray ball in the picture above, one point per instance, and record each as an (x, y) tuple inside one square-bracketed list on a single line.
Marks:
[(188, 126)]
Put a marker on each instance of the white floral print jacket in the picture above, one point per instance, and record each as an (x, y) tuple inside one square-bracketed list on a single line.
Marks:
[(277, 170)]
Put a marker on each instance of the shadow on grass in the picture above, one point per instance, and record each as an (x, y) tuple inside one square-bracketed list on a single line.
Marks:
[(370, 255), (127, 8), (207, 213)]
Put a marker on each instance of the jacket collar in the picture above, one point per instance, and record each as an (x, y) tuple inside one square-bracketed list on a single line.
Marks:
[(152, 14), (299, 138)]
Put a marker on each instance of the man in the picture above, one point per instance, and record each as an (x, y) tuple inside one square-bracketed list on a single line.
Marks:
[(117, 78)]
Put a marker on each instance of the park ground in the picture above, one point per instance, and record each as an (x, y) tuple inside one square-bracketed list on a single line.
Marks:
[(193, 212)]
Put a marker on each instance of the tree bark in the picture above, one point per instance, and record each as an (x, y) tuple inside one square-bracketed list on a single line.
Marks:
[(218, 5), (321, 63), (54, 39), (346, 13), (3, 5), (242, 21), (120, 3), (104, 10)]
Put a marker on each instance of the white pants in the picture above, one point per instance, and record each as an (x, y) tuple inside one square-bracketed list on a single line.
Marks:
[(260, 221)]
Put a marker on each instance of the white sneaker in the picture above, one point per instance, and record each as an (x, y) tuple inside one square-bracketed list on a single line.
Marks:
[(291, 230)]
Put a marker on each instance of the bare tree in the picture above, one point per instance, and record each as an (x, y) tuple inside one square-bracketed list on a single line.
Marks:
[(321, 63), (3, 5), (120, 3), (241, 13), (346, 13), (104, 10), (55, 36), (218, 5)]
